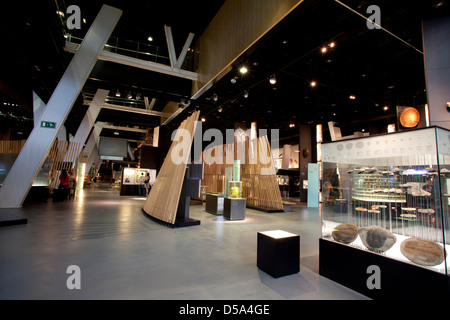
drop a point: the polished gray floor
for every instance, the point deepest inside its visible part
(124, 255)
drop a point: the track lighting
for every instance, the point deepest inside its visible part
(215, 97)
(245, 94)
(220, 109)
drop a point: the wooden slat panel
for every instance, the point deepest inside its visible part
(11, 146)
(162, 202)
(236, 27)
(259, 181)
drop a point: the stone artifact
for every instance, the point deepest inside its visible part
(345, 233)
(376, 238)
(422, 252)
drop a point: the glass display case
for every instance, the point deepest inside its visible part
(392, 196)
(235, 189)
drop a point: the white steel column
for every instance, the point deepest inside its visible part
(91, 116)
(38, 107)
(27, 165)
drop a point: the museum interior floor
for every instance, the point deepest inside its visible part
(124, 255)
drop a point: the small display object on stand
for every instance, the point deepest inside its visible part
(235, 189)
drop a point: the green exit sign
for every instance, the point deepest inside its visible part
(48, 124)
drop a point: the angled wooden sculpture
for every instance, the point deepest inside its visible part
(162, 202)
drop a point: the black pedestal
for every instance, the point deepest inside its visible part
(399, 280)
(278, 253)
(214, 203)
(234, 209)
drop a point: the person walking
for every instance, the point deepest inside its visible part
(142, 185)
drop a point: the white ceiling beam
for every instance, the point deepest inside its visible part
(112, 127)
(135, 110)
(170, 46)
(139, 63)
(185, 50)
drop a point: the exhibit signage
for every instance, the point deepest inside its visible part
(48, 124)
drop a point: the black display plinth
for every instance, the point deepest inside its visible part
(278, 253)
(399, 280)
(214, 203)
(10, 218)
(180, 223)
(234, 209)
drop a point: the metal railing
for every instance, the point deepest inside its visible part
(139, 50)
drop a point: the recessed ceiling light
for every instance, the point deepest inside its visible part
(313, 83)
(332, 45)
(273, 79)
(243, 70)
(324, 49)
(150, 38)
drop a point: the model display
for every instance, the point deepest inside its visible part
(395, 188)
(234, 189)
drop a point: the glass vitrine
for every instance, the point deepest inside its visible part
(390, 195)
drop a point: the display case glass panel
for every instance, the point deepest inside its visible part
(389, 194)
(234, 189)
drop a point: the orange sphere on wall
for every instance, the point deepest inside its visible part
(410, 117)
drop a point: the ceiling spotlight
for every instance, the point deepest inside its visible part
(332, 44)
(116, 133)
(203, 119)
(324, 49)
(215, 97)
(138, 96)
(150, 39)
(386, 108)
(352, 97)
(291, 125)
(233, 80)
(273, 79)
(118, 94)
(245, 94)
(313, 84)
(129, 96)
(243, 70)
(220, 109)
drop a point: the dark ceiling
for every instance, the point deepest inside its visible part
(380, 69)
